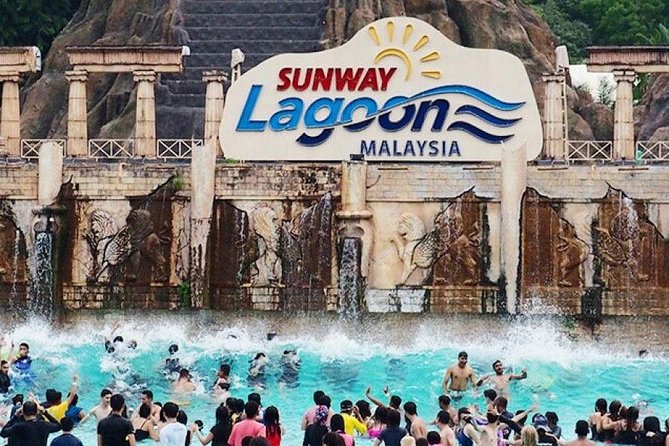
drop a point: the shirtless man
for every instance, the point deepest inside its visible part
(183, 384)
(501, 380)
(582, 431)
(103, 409)
(458, 374)
(418, 427)
(446, 433)
(146, 399)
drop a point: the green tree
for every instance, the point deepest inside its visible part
(34, 22)
(620, 22)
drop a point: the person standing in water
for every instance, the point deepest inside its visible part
(501, 380)
(457, 375)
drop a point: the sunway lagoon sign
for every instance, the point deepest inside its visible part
(398, 90)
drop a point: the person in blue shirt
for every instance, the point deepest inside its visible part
(22, 361)
(66, 439)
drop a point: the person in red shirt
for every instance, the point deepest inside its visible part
(273, 427)
(248, 427)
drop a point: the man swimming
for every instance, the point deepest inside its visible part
(172, 361)
(501, 380)
(183, 384)
(457, 375)
(103, 409)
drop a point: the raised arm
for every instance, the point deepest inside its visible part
(373, 399)
(523, 375)
(73, 389)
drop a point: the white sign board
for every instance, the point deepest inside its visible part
(399, 90)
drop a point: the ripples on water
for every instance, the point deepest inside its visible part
(343, 359)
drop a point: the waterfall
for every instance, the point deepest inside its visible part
(42, 276)
(350, 278)
(13, 297)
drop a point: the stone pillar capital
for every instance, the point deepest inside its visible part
(553, 77)
(76, 75)
(214, 76)
(144, 75)
(10, 77)
(624, 75)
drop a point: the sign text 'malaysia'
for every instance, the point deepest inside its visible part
(338, 79)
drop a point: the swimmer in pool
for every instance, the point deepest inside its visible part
(183, 384)
(290, 369)
(457, 375)
(256, 376)
(501, 380)
(22, 361)
(172, 361)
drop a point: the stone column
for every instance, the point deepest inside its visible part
(145, 114)
(10, 119)
(213, 107)
(514, 182)
(623, 119)
(203, 185)
(554, 115)
(50, 173)
(77, 122)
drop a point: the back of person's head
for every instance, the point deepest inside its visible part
(117, 402)
(144, 411)
(490, 394)
(105, 392)
(410, 408)
(254, 397)
(421, 442)
(182, 417)
(224, 369)
(443, 417)
(600, 405)
(393, 418)
(271, 416)
(444, 400)
(552, 417)
(346, 406)
(251, 409)
(433, 437)
(325, 401)
(337, 423)
(501, 402)
(184, 373)
(147, 393)
(631, 417)
(529, 436)
(222, 415)
(246, 441)
(408, 441)
(259, 441)
(67, 424)
(239, 405)
(651, 424)
(29, 408)
(51, 396)
(582, 428)
(614, 408)
(363, 409)
(380, 414)
(173, 349)
(170, 410)
(17, 399)
(333, 439)
(395, 402)
(317, 396)
(463, 411)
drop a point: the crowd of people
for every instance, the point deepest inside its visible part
(246, 422)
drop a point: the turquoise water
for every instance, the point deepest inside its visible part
(343, 359)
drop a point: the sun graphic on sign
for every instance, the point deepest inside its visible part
(394, 51)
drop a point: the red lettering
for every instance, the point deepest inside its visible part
(322, 79)
(347, 78)
(369, 81)
(284, 77)
(386, 76)
(307, 79)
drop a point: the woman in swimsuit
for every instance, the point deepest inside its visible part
(466, 435)
(377, 422)
(611, 421)
(630, 429)
(596, 418)
(143, 425)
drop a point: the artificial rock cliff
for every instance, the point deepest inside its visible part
(262, 28)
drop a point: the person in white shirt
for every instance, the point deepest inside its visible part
(172, 433)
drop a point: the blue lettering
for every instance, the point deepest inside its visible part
(408, 148)
(434, 150)
(246, 124)
(421, 147)
(368, 150)
(332, 105)
(396, 152)
(288, 118)
(441, 105)
(367, 103)
(455, 149)
(384, 148)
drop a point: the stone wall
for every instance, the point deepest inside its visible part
(275, 237)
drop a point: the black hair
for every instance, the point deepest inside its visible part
(117, 402)
(239, 405)
(337, 423)
(332, 439)
(271, 421)
(363, 408)
(173, 349)
(224, 386)
(393, 418)
(380, 414)
(105, 392)
(600, 406)
(17, 399)
(24, 344)
(222, 416)
(259, 441)
(251, 409)
(171, 410)
(552, 417)
(118, 339)
(490, 394)
(148, 394)
(521, 421)
(651, 424)
(254, 397)
(144, 411)
(410, 408)
(614, 409)
(445, 400)
(463, 354)
(433, 437)
(182, 417)
(443, 417)
(325, 401)
(631, 417)
(3, 362)
(346, 405)
(225, 368)
(29, 408)
(496, 362)
(246, 441)
(395, 402)
(184, 373)
(259, 355)
(582, 428)
(501, 401)
(66, 424)
(317, 396)
(422, 442)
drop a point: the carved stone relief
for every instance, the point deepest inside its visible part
(263, 247)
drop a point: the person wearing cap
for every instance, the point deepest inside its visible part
(540, 423)
(457, 375)
(352, 419)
